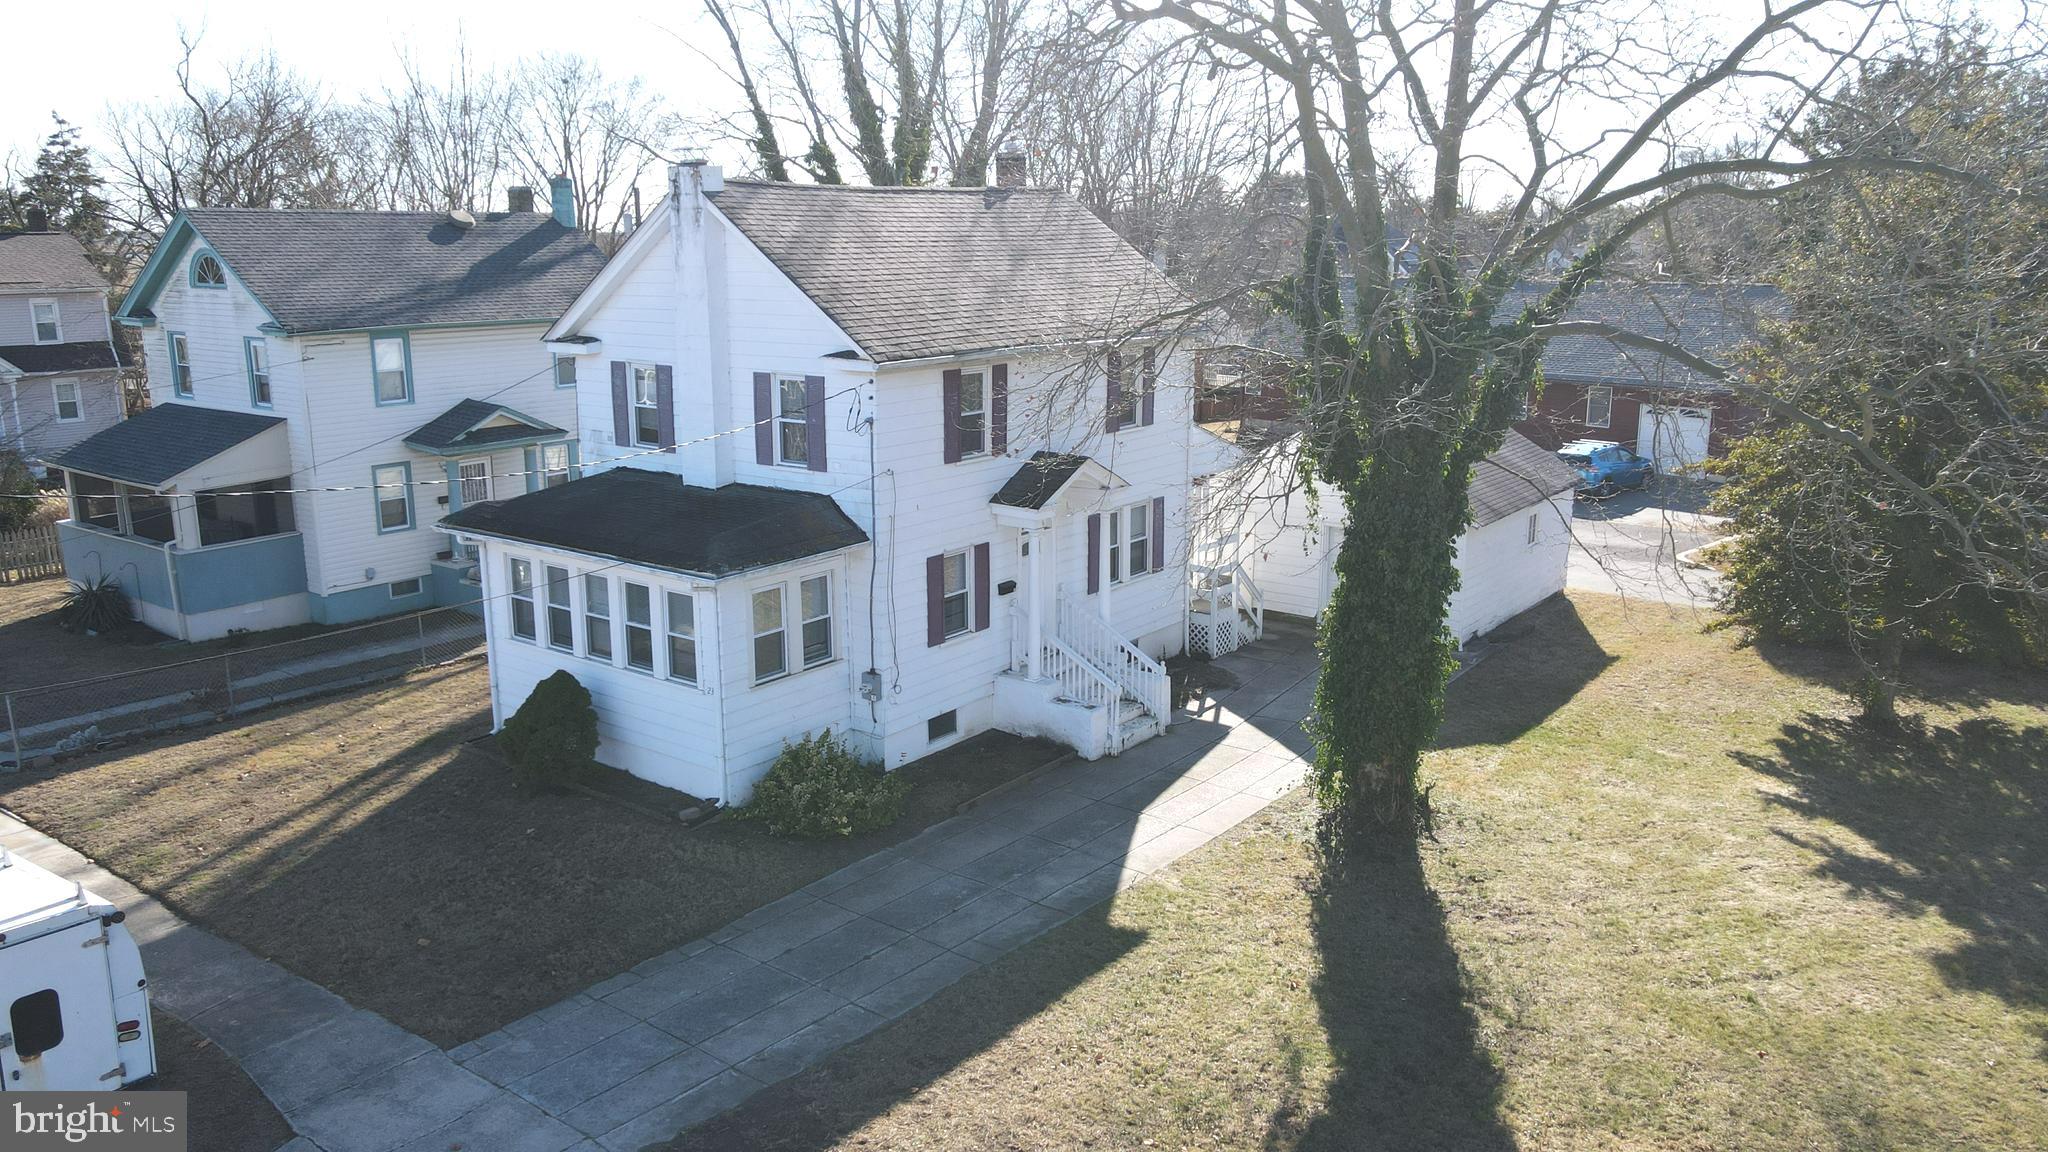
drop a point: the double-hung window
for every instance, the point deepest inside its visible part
(1599, 407)
(67, 400)
(771, 638)
(815, 598)
(181, 365)
(520, 595)
(391, 360)
(256, 350)
(597, 617)
(565, 371)
(639, 626)
(646, 407)
(1139, 518)
(560, 634)
(972, 418)
(792, 422)
(956, 596)
(49, 322)
(393, 484)
(554, 465)
(682, 637)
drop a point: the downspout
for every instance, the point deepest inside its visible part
(177, 601)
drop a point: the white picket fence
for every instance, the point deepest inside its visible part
(30, 554)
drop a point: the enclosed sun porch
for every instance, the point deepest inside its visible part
(189, 510)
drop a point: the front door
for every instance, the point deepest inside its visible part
(59, 1014)
(476, 482)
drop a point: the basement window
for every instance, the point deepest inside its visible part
(941, 726)
(400, 589)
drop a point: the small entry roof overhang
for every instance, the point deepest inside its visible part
(1032, 495)
(183, 447)
(479, 426)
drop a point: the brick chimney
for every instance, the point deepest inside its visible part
(564, 198)
(38, 220)
(1012, 168)
(519, 198)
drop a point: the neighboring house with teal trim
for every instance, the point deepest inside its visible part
(346, 379)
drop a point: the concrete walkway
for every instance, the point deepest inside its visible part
(638, 1058)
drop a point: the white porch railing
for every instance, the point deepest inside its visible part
(1229, 609)
(1084, 683)
(1138, 676)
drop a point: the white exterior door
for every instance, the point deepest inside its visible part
(1678, 437)
(476, 482)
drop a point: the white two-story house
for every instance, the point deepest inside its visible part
(907, 464)
(60, 366)
(325, 386)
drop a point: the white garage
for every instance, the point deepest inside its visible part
(1512, 557)
(1675, 439)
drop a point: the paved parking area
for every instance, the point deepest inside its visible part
(1629, 544)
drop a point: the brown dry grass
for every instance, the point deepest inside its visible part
(361, 841)
(1678, 902)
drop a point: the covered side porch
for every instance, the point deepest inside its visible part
(190, 511)
(487, 452)
(1072, 676)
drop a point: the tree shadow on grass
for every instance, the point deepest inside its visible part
(1540, 660)
(1958, 818)
(1411, 1073)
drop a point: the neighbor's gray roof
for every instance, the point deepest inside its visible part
(1709, 320)
(46, 262)
(456, 429)
(154, 445)
(701, 531)
(910, 273)
(83, 356)
(323, 271)
(1516, 475)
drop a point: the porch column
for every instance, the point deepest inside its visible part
(1035, 654)
(185, 519)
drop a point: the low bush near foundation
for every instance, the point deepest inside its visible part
(551, 740)
(819, 786)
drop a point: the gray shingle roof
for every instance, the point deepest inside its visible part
(654, 519)
(153, 446)
(1038, 479)
(1711, 321)
(1516, 475)
(44, 262)
(456, 429)
(320, 271)
(84, 356)
(917, 272)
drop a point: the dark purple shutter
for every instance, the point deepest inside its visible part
(764, 426)
(949, 413)
(999, 409)
(1115, 391)
(622, 406)
(935, 601)
(981, 587)
(1150, 385)
(1094, 553)
(665, 406)
(1158, 533)
(814, 421)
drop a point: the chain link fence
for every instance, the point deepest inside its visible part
(55, 719)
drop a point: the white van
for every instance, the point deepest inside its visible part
(75, 1000)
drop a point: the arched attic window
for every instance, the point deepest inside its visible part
(207, 271)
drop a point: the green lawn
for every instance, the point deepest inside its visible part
(1678, 901)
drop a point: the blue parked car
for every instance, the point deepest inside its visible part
(1605, 468)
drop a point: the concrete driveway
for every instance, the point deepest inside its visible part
(1629, 544)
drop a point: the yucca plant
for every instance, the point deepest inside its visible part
(92, 606)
